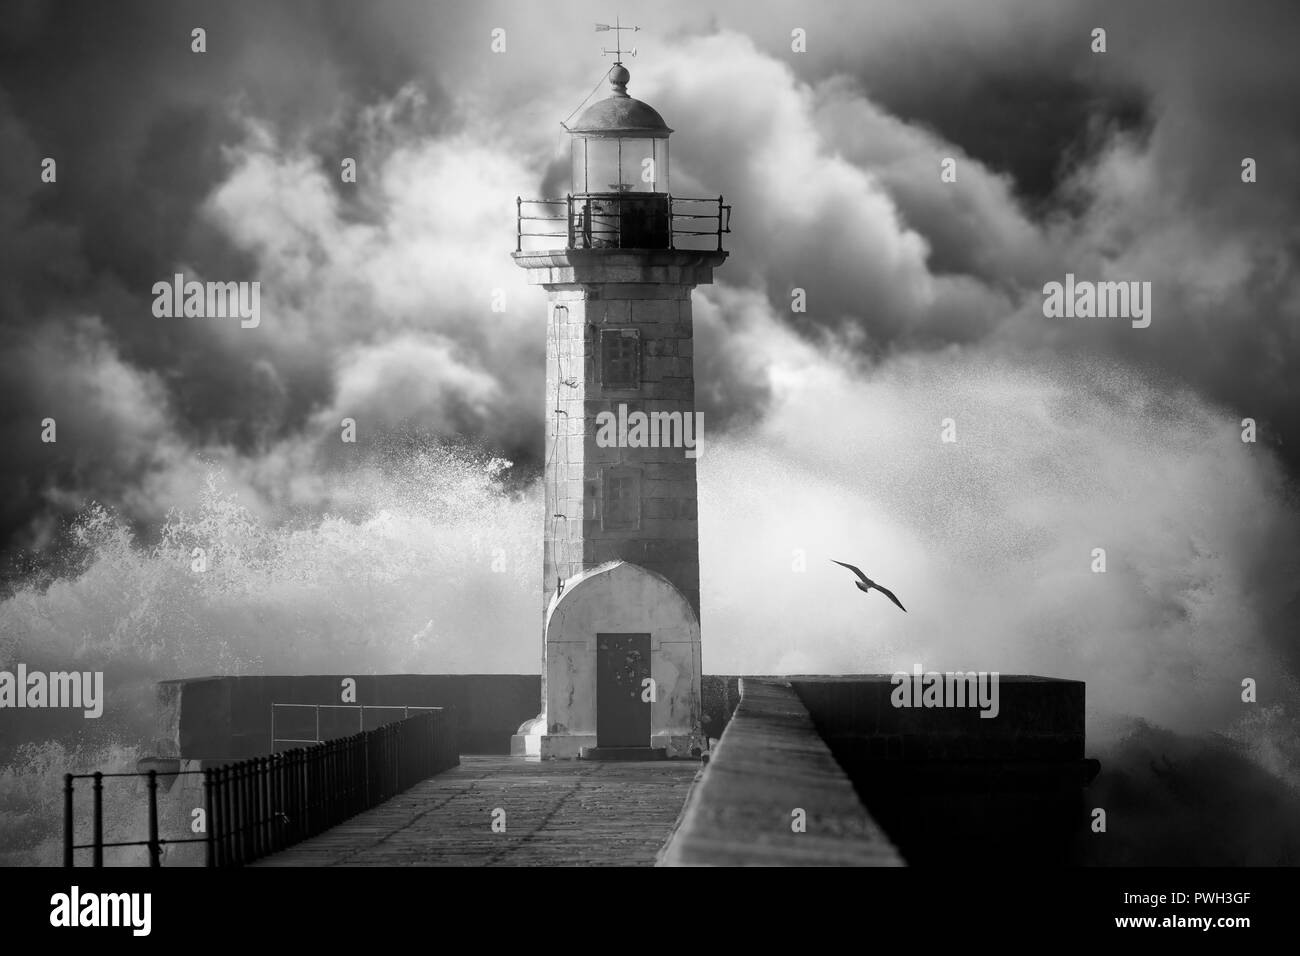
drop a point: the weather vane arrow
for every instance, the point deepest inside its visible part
(617, 29)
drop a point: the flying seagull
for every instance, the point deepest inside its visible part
(866, 584)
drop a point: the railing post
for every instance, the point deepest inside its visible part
(268, 791)
(97, 838)
(268, 805)
(349, 795)
(287, 805)
(568, 216)
(311, 759)
(519, 224)
(259, 817)
(719, 223)
(358, 772)
(397, 758)
(335, 783)
(331, 782)
(67, 820)
(671, 240)
(245, 813)
(216, 823)
(250, 810)
(254, 816)
(155, 849)
(327, 792)
(277, 802)
(311, 788)
(232, 817)
(227, 819)
(268, 819)
(209, 820)
(286, 798)
(231, 775)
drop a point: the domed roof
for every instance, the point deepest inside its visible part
(620, 113)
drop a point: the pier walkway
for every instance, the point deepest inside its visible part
(556, 813)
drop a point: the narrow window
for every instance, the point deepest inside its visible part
(620, 359)
(622, 505)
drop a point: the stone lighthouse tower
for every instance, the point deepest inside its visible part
(618, 257)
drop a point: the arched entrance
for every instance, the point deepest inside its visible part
(622, 666)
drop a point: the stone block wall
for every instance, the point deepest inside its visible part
(667, 534)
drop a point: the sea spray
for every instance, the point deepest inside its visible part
(431, 564)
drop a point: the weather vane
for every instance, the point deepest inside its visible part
(618, 50)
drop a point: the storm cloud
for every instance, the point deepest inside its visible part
(378, 296)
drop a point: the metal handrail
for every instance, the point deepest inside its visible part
(259, 806)
(580, 232)
(361, 718)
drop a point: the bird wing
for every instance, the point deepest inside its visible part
(857, 571)
(890, 594)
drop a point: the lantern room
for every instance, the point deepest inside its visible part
(620, 172)
(620, 144)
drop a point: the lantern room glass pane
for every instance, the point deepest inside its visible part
(611, 164)
(579, 150)
(602, 165)
(641, 165)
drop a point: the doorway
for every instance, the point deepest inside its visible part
(622, 700)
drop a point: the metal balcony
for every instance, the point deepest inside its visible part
(628, 221)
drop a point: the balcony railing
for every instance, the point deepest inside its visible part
(642, 221)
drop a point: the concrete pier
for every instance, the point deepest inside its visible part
(557, 813)
(808, 770)
(773, 795)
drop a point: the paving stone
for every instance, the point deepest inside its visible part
(558, 813)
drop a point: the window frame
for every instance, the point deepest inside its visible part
(633, 477)
(637, 377)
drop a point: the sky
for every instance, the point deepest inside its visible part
(923, 298)
(224, 165)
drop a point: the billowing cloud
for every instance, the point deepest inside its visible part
(1124, 166)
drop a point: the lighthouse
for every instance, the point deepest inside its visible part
(618, 257)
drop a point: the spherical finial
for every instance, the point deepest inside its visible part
(618, 77)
